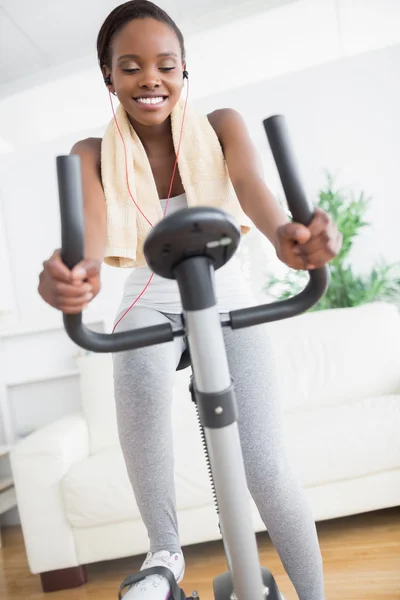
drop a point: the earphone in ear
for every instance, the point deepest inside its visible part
(185, 75)
(107, 81)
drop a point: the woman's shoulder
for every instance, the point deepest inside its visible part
(89, 151)
(88, 147)
(226, 121)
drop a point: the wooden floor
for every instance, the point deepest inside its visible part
(361, 560)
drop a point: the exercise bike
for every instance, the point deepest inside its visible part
(189, 246)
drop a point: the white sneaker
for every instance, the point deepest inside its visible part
(156, 587)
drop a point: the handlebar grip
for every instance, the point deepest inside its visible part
(281, 147)
(71, 207)
(302, 212)
(116, 342)
(72, 252)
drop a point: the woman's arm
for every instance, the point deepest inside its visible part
(246, 174)
(297, 246)
(71, 290)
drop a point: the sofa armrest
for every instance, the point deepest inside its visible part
(39, 463)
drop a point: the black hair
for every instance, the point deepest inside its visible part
(121, 15)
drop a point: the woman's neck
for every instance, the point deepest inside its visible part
(156, 140)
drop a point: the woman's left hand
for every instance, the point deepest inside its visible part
(307, 248)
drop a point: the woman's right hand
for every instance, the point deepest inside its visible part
(69, 290)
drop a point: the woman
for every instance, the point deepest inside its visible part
(142, 57)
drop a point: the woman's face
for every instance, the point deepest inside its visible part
(147, 70)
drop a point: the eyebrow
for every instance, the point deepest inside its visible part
(136, 56)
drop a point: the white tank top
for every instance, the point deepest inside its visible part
(232, 289)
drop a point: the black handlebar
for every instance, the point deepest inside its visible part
(72, 233)
(278, 137)
(71, 209)
(302, 212)
(72, 249)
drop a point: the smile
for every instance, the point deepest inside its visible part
(151, 101)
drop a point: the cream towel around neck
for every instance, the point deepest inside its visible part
(202, 168)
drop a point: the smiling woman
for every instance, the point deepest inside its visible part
(137, 173)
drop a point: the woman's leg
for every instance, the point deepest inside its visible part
(273, 485)
(143, 383)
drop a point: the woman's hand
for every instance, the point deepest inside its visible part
(69, 290)
(298, 246)
(307, 248)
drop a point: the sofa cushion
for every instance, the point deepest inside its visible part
(97, 397)
(337, 356)
(325, 445)
(345, 442)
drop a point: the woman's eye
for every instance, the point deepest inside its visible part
(136, 69)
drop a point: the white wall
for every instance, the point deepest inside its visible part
(305, 60)
(342, 116)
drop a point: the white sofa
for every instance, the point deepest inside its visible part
(340, 378)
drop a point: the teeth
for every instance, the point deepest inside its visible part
(150, 100)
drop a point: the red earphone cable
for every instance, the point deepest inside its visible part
(133, 200)
(178, 151)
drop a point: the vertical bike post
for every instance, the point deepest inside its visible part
(216, 402)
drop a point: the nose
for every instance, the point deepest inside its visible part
(150, 79)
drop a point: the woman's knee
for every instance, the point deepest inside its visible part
(267, 475)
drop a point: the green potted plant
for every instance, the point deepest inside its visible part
(347, 288)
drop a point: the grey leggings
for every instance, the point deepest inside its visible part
(143, 390)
